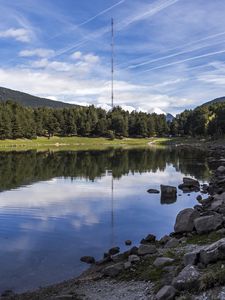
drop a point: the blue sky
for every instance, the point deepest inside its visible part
(169, 54)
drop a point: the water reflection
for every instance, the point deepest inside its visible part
(56, 207)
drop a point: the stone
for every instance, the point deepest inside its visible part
(168, 194)
(199, 198)
(133, 250)
(164, 239)
(88, 259)
(172, 243)
(127, 265)
(128, 242)
(148, 239)
(167, 292)
(213, 252)
(162, 261)
(189, 185)
(147, 249)
(113, 270)
(114, 250)
(153, 191)
(216, 204)
(208, 223)
(133, 258)
(187, 279)
(185, 220)
(191, 258)
(220, 169)
(219, 197)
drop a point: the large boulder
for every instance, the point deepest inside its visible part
(191, 258)
(162, 261)
(172, 243)
(146, 249)
(208, 223)
(213, 252)
(189, 185)
(168, 194)
(167, 292)
(187, 279)
(185, 220)
(113, 270)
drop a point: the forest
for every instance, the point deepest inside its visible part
(18, 121)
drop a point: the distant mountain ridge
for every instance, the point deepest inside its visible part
(217, 100)
(29, 100)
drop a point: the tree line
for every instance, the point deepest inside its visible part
(17, 121)
(205, 120)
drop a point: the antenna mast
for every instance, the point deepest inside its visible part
(112, 64)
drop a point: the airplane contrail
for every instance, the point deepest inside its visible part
(157, 7)
(101, 13)
(147, 62)
(179, 47)
(148, 12)
(184, 60)
(93, 18)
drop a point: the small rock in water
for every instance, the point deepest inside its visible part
(128, 242)
(88, 259)
(114, 250)
(148, 239)
(199, 198)
(153, 191)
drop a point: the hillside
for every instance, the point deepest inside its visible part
(217, 100)
(29, 100)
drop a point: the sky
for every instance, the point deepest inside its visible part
(169, 54)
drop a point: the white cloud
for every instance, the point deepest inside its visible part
(76, 55)
(40, 52)
(19, 34)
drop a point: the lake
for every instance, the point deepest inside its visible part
(58, 206)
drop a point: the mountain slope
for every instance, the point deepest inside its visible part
(217, 100)
(29, 100)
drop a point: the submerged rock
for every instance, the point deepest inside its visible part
(114, 250)
(168, 194)
(148, 239)
(128, 242)
(88, 259)
(185, 220)
(153, 191)
(189, 185)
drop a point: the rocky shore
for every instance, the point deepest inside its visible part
(188, 263)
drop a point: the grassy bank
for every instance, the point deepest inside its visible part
(73, 143)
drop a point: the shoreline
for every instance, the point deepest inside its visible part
(181, 243)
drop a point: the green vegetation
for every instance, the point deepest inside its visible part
(70, 143)
(206, 120)
(17, 121)
(213, 276)
(205, 238)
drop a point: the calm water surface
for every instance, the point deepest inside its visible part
(57, 207)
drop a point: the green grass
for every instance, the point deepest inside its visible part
(73, 143)
(205, 238)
